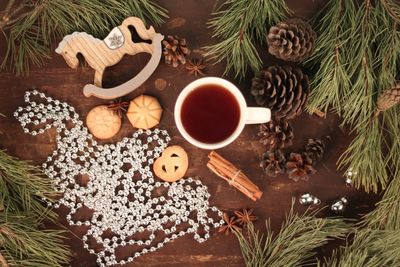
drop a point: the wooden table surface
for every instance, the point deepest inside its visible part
(187, 19)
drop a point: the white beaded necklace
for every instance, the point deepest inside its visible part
(121, 192)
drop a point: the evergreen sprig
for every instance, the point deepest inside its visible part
(22, 186)
(32, 27)
(23, 243)
(386, 215)
(371, 247)
(240, 25)
(295, 243)
(356, 57)
(375, 240)
(393, 9)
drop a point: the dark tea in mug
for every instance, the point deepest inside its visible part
(210, 113)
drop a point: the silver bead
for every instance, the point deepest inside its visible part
(339, 205)
(308, 199)
(349, 175)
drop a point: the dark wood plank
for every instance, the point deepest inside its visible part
(187, 19)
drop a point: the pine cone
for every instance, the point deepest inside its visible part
(315, 149)
(175, 50)
(276, 134)
(388, 98)
(292, 40)
(273, 162)
(299, 167)
(282, 89)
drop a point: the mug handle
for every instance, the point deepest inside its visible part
(258, 115)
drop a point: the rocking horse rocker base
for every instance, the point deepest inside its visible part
(100, 54)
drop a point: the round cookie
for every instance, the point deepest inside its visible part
(172, 165)
(144, 112)
(102, 122)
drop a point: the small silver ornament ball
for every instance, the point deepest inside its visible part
(339, 206)
(349, 175)
(308, 199)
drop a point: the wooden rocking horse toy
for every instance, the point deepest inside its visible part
(100, 54)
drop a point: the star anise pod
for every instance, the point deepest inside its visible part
(230, 225)
(245, 216)
(118, 106)
(195, 66)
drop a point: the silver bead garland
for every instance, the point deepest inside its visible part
(121, 192)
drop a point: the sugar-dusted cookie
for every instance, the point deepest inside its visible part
(144, 112)
(102, 122)
(172, 165)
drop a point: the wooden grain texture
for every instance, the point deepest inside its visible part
(99, 55)
(187, 19)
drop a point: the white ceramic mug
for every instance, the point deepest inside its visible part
(248, 115)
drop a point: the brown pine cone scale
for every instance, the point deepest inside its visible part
(276, 134)
(273, 162)
(292, 40)
(284, 90)
(315, 149)
(175, 50)
(299, 167)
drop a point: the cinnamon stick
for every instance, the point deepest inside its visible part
(237, 185)
(235, 177)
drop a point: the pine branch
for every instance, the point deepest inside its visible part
(147, 11)
(31, 34)
(361, 69)
(364, 156)
(387, 213)
(6, 14)
(376, 240)
(22, 243)
(295, 243)
(329, 59)
(393, 9)
(22, 186)
(344, 60)
(372, 248)
(242, 54)
(240, 24)
(356, 57)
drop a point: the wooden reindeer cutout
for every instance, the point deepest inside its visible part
(100, 54)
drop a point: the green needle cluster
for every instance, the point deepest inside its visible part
(294, 244)
(32, 27)
(240, 25)
(355, 59)
(23, 241)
